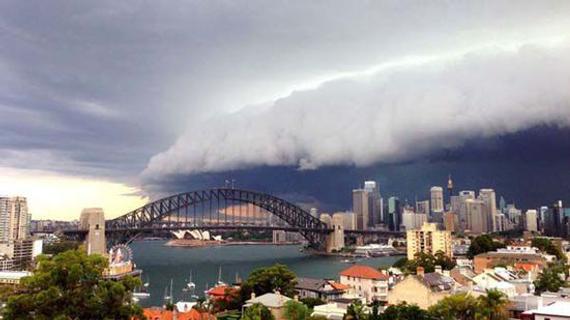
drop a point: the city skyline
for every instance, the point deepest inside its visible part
(109, 105)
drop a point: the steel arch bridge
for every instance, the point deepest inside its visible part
(222, 208)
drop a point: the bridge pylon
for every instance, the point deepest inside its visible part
(335, 239)
(93, 220)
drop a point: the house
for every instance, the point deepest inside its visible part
(222, 292)
(163, 314)
(365, 282)
(492, 259)
(559, 310)
(496, 279)
(335, 309)
(422, 289)
(273, 301)
(319, 288)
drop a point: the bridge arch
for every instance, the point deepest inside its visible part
(153, 214)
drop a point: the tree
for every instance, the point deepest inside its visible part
(493, 305)
(312, 302)
(70, 286)
(427, 261)
(269, 279)
(483, 243)
(550, 279)
(60, 246)
(295, 310)
(459, 306)
(545, 245)
(404, 311)
(355, 311)
(257, 312)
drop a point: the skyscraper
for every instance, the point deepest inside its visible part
(374, 203)
(462, 207)
(14, 219)
(531, 220)
(422, 207)
(475, 214)
(436, 199)
(394, 213)
(490, 206)
(360, 207)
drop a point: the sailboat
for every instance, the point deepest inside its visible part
(141, 292)
(191, 285)
(220, 282)
(167, 295)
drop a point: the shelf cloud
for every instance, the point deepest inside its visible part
(399, 112)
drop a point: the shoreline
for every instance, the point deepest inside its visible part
(186, 243)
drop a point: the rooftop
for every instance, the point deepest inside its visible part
(364, 272)
(270, 300)
(558, 308)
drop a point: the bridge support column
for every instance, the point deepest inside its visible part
(93, 220)
(335, 239)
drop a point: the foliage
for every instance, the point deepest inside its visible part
(295, 310)
(231, 301)
(459, 306)
(427, 261)
(545, 245)
(312, 302)
(355, 311)
(269, 279)
(60, 246)
(404, 311)
(257, 312)
(492, 306)
(549, 279)
(483, 243)
(70, 286)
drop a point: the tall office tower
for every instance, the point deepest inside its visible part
(475, 214)
(451, 221)
(490, 206)
(462, 208)
(530, 218)
(428, 240)
(14, 219)
(555, 223)
(422, 207)
(374, 203)
(542, 217)
(502, 204)
(412, 220)
(436, 199)
(394, 213)
(360, 205)
(514, 216)
(349, 220)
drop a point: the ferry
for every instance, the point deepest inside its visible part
(375, 250)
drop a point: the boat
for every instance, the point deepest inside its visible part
(191, 285)
(167, 295)
(220, 282)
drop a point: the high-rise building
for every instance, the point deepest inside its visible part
(14, 219)
(490, 207)
(422, 207)
(449, 186)
(530, 218)
(436, 199)
(412, 220)
(360, 207)
(394, 213)
(555, 222)
(450, 221)
(475, 216)
(428, 239)
(374, 203)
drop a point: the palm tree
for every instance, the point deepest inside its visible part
(493, 306)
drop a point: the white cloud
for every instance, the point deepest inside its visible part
(386, 114)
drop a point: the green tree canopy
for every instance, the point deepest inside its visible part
(356, 311)
(295, 310)
(483, 243)
(312, 302)
(427, 261)
(269, 279)
(545, 245)
(458, 306)
(404, 311)
(257, 312)
(70, 286)
(550, 279)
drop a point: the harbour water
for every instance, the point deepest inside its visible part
(161, 263)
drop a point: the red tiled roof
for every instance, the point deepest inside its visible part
(161, 314)
(218, 291)
(365, 272)
(157, 314)
(338, 286)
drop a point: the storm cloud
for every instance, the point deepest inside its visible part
(401, 112)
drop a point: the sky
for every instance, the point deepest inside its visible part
(113, 103)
